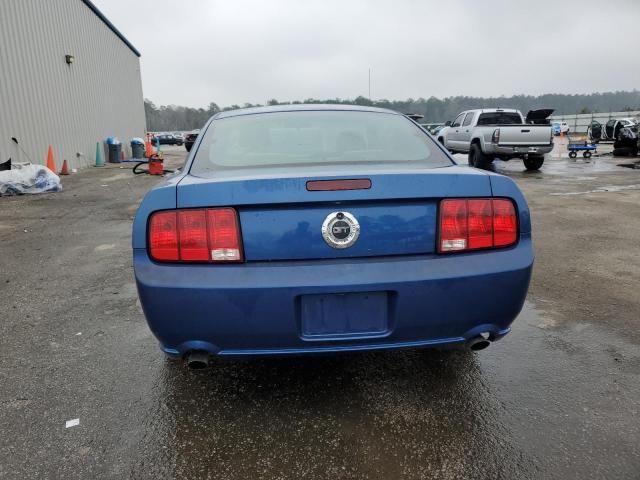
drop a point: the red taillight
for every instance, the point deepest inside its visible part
(505, 223)
(192, 233)
(453, 225)
(163, 236)
(476, 223)
(495, 138)
(480, 223)
(224, 235)
(199, 235)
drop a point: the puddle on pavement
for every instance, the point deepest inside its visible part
(560, 166)
(555, 166)
(605, 189)
(519, 409)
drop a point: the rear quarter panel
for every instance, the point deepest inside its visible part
(161, 197)
(502, 186)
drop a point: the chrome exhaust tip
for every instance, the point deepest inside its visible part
(198, 360)
(478, 343)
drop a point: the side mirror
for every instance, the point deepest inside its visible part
(447, 123)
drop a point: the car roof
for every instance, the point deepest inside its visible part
(302, 107)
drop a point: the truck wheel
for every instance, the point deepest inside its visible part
(188, 146)
(533, 162)
(477, 158)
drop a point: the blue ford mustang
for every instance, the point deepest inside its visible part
(324, 228)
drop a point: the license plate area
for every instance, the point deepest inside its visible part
(344, 315)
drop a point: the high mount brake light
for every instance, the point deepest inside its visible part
(210, 235)
(342, 184)
(476, 223)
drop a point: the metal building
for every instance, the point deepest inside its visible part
(68, 78)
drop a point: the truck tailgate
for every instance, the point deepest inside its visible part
(515, 135)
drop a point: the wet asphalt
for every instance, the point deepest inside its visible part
(557, 398)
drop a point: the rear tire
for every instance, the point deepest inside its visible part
(533, 162)
(477, 158)
(188, 146)
(621, 152)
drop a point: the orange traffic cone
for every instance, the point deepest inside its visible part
(148, 151)
(65, 168)
(51, 164)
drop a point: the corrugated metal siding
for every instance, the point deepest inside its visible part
(45, 101)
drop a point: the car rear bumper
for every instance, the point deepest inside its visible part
(254, 308)
(519, 150)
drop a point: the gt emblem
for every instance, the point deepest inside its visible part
(340, 230)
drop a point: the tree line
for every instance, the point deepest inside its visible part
(175, 117)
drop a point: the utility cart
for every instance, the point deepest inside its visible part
(580, 144)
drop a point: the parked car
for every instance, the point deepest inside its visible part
(627, 143)
(167, 139)
(436, 129)
(611, 130)
(558, 127)
(501, 133)
(178, 136)
(300, 229)
(416, 117)
(432, 128)
(190, 138)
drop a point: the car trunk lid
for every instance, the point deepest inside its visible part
(539, 117)
(281, 219)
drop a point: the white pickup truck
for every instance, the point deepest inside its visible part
(502, 133)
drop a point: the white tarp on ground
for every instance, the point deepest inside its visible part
(28, 178)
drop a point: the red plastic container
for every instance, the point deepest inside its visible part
(156, 166)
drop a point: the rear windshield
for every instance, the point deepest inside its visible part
(314, 138)
(499, 118)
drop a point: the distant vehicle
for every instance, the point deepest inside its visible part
(432, 128)
(627, 143)
(414, 116)
(190, 138)
(501, 133)
(302, 229)
(558, 127)
(437, 129)
(166, 139)
(178, 136)
(611, 130)
(442, 133)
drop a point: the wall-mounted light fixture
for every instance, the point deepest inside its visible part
(69, 59)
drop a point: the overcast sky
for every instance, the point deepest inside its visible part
(236, 51)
